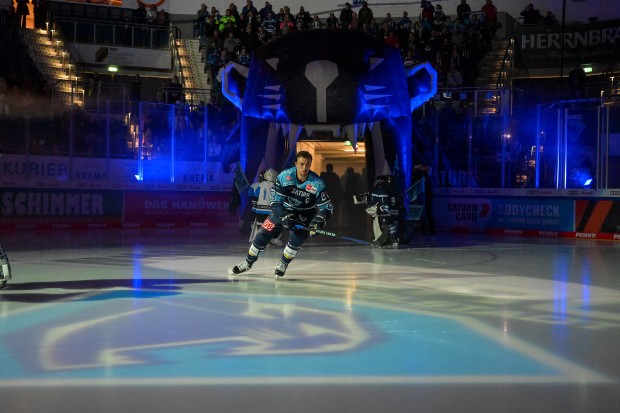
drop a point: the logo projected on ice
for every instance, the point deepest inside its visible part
(145, 335)
(224, 329)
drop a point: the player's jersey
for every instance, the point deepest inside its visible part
(301, 197)
(386, 200)
(261, 193)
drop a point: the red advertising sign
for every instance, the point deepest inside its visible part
(157, 209)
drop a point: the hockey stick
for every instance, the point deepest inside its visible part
(331, 234)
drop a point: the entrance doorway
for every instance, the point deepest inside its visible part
(350, 167)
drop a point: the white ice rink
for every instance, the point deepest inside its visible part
(148, 321)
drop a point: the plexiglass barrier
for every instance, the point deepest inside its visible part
(570, 144)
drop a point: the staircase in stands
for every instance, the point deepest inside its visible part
(54, 62)
(197, 83)
(494, 71)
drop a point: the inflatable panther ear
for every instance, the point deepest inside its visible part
(422, 84)
(234, 77)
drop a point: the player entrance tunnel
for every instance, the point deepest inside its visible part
(345, 176)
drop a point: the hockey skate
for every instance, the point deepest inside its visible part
(5, 268)
(280, 269)
(239, 268)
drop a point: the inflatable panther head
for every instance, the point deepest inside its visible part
(341, 81)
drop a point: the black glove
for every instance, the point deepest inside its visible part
(317, 223)
(285, 219)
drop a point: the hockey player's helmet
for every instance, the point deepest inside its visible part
(261, 176)
(270, 175)
(383, 180)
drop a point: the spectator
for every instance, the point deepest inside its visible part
(454, 78)
(162, 34)
(334, 187)
(40, 13)
(346, 15)
(364, 15)
(22, 11)
(136, 89)
(354, 22)
(218, 38)
(490, 17)
(373, 28)
(304, 17)
(427, 11)
(286, 24)
(238, 46)
(391, 25)
(265, 10)
(426, 24)
(316, 22)
(243, 58)
(201, 17)
(402, 31)
(391, 39)
(215, 13)
(270, 25)
(175, 90)
(223, 60)
(332, 22)
(409, 60)
(226, 19)
(463, 10)
(439, 16)
(439, 66)
(412, 45)
(139, 15)
(405, 23)
(250, 39)
(455, 57)
(531, 16)
(550, 19)
(383, 32)
(151, 15)
(230, 43)
(249, 7)
(213, 56)
(287, 10)
(243, 22)
(458, 36)
(577, 79)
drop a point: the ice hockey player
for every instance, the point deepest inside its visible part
(299, 203)
(260, 194)
(384, 203)
(5, 268)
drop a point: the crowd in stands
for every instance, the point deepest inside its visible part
(453, 45)
(531, 16)
(452, 41)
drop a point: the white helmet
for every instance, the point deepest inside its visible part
(270, 175)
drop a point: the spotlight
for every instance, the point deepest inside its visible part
(580, 178)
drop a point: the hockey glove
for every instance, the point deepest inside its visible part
(285, 218)
(317, 223)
